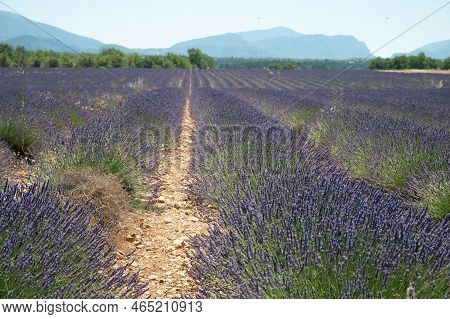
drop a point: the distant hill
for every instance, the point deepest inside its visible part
(34, 43)
(258, 35)
(436, 50)
(16, 30)
(278, 42)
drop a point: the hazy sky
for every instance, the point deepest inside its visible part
(155, 24)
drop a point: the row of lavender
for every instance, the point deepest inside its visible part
(292, 225)
(397, 138)
(51, 246)
(308, 79)
(89, 79)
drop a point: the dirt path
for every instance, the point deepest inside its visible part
(161, 239)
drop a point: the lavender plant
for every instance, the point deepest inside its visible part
(49, 250)
(297, 227)
(394, 138)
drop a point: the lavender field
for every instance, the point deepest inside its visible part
(169, 183)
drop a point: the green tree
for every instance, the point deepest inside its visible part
(102, 61)
(133, 60)
(178, 61)
(4, 60)
(446, 64)
(6, 49)
(400, 62)
(421, 61)
(111, 51)
(53, 62)
(116, 61)
(67, 60)
(110, 57)
(200, 60)
(377, 64)
(20, 56)
(86, 60)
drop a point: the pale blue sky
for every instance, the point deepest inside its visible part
(155, 24)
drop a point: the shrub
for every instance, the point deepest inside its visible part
(300, 118)
(5, 61)
(82, 158)
(53, 62)
(20, 135)
(76, 119)
(103, 192)
(50, 251)
(297, 227)
(433, 191)
(293, 232)
(437, 199)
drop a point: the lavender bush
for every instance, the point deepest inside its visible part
(394, 138)
(49, 250)
(297, 227)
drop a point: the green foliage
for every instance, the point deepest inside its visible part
(77, 119)
(86, 61)
(6, 53)
(106, 162)
(402, 62)
(300, 118)
(6, 49)
(107, 58)
(395, 172)
(67, 60)
(20, 135)
(5, 61)
(61, 121)
(436, 196)
(53, 62)
(160, 126)
(377, 64)
(358, 166)
(307, 64)
(20, 57)
(179, 61)
(446, 64)
(111, 52)
(415, 171)
(200, 60)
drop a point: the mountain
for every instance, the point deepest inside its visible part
(436, 50)
(13, 27)
(34, 43)
(315, 47)
(225, 45)
(278, 42)
(257, 35)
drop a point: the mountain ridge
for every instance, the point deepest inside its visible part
(277, 42)
(436, 50)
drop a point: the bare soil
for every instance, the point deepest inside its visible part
(160, 239)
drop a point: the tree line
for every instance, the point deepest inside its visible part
(107, 58)
(402, 62)
(195, 58)
(308, 64)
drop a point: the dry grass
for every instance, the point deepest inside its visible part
(138, 85)
(106, 102)
(102, 191)
(6, 159)
(430, 71)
